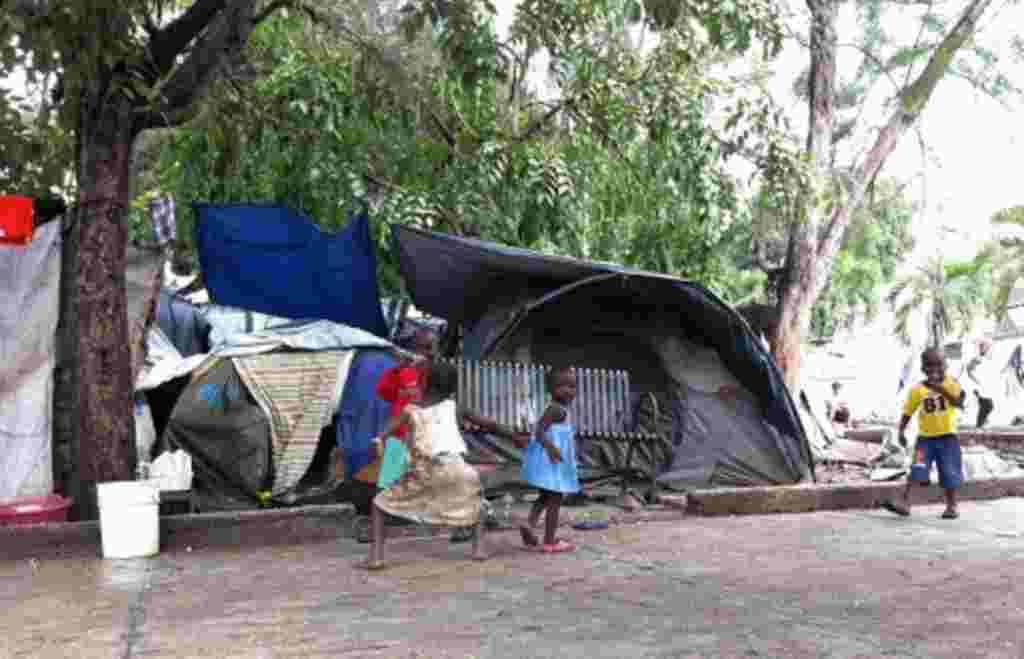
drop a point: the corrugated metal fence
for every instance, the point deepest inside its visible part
(515, 394)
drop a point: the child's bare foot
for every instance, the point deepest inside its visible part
(528, 536)
(373, 564)
(479, 556)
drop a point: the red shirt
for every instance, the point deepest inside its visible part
(391, 388)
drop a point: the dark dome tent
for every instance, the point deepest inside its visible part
(726, 413)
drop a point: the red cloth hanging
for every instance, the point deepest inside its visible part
(16, 220)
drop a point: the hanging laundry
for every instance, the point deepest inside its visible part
(1016, 365)
(161, 211)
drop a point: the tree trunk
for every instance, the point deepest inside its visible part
(96, 377)
(806, 271)
(813, 247)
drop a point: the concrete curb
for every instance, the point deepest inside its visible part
(994, 439)
(810, 498)
(179, 532)
(332, 522)
(250, 528)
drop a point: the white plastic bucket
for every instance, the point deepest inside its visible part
(129, 519)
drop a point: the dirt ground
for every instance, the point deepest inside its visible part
(851, 584)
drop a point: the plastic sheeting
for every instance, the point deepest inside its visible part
(316, 335)
(299, 393)
(224, 323)
(727, 442)
(29, 302)
(362, 414)
(514, 300)
(227, 435)
(270, 259)
(183, 324)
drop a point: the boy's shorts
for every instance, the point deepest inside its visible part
(944, 451)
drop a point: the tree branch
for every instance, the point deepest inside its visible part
(607, 139)
(912, 101)
(920, 35)
(446, 132)
(29, 8)
(731, 149)
(167, 44)
(537, 125)
(762, 261)
(277, 5)
(885, 70)
(225, 35)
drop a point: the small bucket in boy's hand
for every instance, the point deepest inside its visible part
(919, 470)
(393, 463)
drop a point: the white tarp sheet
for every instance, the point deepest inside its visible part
(166, 364)
(29, 301)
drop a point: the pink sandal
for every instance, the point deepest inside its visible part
(559, 547)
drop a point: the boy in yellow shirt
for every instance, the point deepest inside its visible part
(938, 402)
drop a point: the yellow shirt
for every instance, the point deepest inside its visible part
(938, 416)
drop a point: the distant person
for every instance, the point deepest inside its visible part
(438, 488)
(938, 402)
(549, 462)
(980, 373)
(837, 410)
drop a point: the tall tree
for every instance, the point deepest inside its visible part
(122, 67)
(834, 191)
(877, 241)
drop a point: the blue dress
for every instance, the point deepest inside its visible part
(539, 471)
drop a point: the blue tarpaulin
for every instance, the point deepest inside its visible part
(362, 415)
(273, 260)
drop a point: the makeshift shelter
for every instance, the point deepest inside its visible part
(725, 411)
(258, 409)
(30, 267)
(29, 301)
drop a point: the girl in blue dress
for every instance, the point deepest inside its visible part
(550, 461)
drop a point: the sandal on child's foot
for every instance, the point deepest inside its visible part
(559, 547)
(950, 514)
(462, 535)
(894, 507)
(529, 539)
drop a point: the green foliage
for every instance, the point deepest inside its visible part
(877, 241)
(72, 40)
(35, 153)
(1006, 253)
(621, 168)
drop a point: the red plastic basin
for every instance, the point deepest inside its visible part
(34, 510)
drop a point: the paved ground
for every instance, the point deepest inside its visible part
(851, 584)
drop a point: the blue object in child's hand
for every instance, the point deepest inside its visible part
(393, 463)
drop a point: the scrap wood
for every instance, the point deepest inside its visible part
(841, 460)
(141, 327)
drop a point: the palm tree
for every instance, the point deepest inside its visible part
(1007, 256)
(950, 294)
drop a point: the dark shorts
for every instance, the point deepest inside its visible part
(944, 452)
